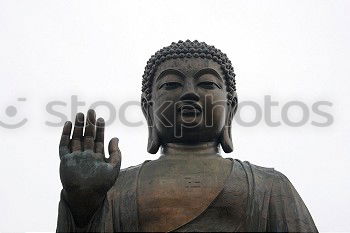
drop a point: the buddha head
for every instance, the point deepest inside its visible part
(189, 96)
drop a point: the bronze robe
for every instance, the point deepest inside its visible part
(253, 199)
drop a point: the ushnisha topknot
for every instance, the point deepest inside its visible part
(189, 49)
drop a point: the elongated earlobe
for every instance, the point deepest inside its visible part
(226, 137)
(153, 139)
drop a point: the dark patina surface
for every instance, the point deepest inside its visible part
(189, 100)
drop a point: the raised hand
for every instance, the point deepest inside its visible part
(86, 174)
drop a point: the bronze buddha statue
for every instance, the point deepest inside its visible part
(189, 99)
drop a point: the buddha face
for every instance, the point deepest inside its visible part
(189, 101)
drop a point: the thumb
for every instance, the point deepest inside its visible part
(114, 153)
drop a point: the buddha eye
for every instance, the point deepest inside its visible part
(170, 85)
(208, 85)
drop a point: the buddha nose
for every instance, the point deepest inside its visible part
(189, 94)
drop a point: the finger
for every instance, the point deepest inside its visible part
(78, 132)
(114, 153)
(89, 136)
(100, 135)
(65, 138)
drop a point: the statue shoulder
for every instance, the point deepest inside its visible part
(135, 168)
(262, 174)
(272, 190)
(252, 168)
(127, 176)
(128, 169)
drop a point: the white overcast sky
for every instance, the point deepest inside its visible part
(96, 50)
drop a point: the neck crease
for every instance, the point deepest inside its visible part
(206, 148)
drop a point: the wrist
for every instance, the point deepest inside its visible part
(82, 205)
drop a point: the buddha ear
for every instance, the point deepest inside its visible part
(153, 139)
(226, 137)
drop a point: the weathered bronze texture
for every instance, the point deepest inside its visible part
(189, 99)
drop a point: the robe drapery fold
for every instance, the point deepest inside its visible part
(253, 199)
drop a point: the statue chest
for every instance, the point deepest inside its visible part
(173, 192)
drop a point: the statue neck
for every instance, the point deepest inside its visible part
(181, 149)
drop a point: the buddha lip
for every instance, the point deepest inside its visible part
(189, 107)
